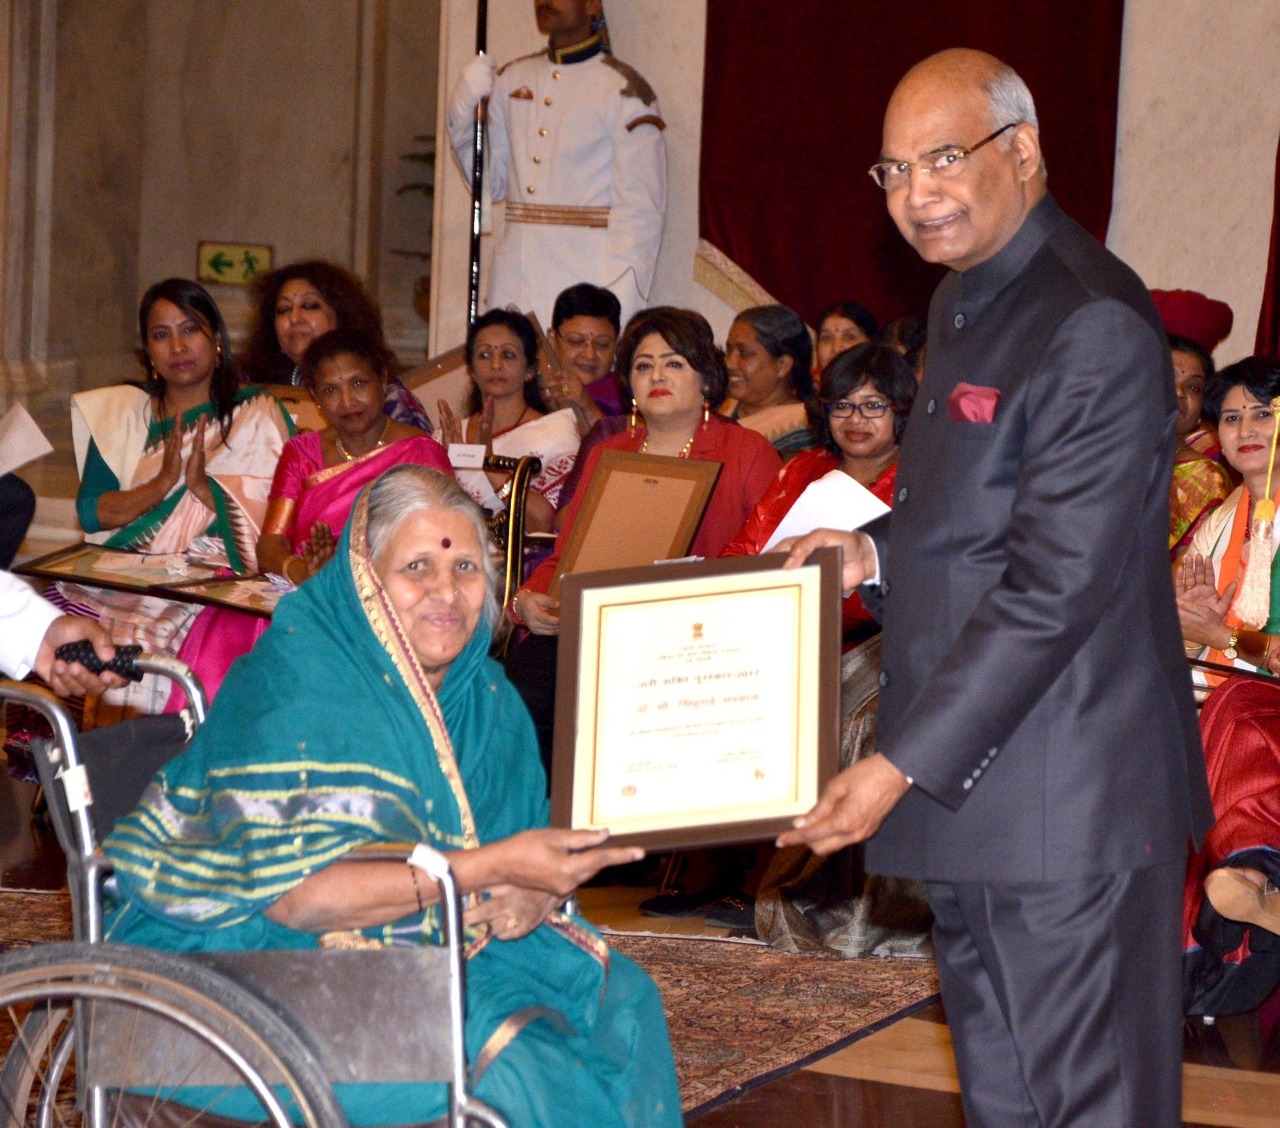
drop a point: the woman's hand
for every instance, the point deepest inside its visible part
(171, 462)
(196, 478)
(318, 549)
(450, 428)
(538, 611)
(1201, 610)
(556, 861)
(511, 911)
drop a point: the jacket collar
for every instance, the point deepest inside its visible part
(578, 52)
(987, 279)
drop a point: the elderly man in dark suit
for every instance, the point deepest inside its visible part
(1039, 763)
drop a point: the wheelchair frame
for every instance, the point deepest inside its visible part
(239, 1004)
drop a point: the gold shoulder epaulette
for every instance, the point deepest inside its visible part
(521, 59)
(636, 86)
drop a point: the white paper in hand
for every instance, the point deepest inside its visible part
(21, 440)
(834, 501)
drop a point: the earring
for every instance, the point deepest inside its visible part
(631, 423)
(706, 412)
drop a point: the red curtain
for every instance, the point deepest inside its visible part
(1268, 339)
(793, 101)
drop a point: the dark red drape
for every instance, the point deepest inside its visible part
(794, 96)
(1268, 339)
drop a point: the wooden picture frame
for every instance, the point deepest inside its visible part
(697, 704)
(638, 508)
(88, 564)
(253, 594)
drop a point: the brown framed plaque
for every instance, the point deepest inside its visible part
(697, 703)
(638, 508)
(256, 594)
(95, 565)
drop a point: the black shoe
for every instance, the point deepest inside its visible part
(675, 903)
(738, 913)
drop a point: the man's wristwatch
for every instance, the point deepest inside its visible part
(1229, 651)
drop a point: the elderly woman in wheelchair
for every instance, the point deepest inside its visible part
(370, 713)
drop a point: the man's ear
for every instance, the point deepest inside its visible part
(1026, 144)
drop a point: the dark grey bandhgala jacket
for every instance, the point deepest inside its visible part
(1034, 681)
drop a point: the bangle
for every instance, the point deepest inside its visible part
(417, 889)
(505, 492)
(284, 569)
(1266, 651)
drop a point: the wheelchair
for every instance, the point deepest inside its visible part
(96, 1034)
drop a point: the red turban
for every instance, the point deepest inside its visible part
(1186, 313)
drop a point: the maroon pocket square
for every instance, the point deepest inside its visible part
(972, 403)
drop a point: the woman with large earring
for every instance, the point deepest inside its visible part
(677, 379)
(190, 456)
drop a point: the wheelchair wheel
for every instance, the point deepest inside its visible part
(106, 1034)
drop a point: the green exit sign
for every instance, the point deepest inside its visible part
(231, 264)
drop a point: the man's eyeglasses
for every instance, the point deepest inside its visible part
(891, 175)
(872, 409)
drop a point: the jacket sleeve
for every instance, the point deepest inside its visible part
(639, 198)
(24, 618)
(1098, 429)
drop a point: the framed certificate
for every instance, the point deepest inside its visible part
(98, 566)
(254, 594)
(638, 508)
(697, 703)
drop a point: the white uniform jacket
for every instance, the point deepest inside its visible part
(576, 150)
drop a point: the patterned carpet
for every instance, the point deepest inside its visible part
(33, 917)
(741, 1015)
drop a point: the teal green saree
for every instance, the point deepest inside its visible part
(325, 737)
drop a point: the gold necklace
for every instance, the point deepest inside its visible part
(351, 457)
(684, 451)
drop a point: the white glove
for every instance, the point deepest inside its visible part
(474, 84)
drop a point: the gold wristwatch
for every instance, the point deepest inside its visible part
(1230, 651)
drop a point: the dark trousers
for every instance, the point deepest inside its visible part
(1064, 999)
(17, 507)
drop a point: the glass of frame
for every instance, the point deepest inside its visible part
(638, 508)
(96, 565)
(697, 703)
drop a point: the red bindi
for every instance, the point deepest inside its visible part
(445, 543)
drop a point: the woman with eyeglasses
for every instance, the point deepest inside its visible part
(856, 421)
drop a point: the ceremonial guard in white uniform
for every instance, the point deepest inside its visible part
(576, 150)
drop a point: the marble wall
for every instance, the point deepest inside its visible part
(136, 128)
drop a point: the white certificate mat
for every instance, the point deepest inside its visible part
(706, 701)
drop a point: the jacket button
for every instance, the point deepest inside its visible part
(884, 587)
(542, 132)
(984, 762)
(884, 678)
(932, 406)
(531, 189)
(959, 321)
(537, 160)
(967, 785)
(547, 100)
(903, 493)
(992, 752)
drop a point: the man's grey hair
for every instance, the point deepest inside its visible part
(404, 490)
(1010, 101)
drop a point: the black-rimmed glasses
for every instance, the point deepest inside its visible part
(945, 163)
(871, 409)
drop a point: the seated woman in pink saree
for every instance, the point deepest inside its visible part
(316, 483)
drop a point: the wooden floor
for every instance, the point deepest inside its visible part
(900, 1077)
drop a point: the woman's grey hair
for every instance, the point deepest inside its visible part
(1010, 100)
(404, 490)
